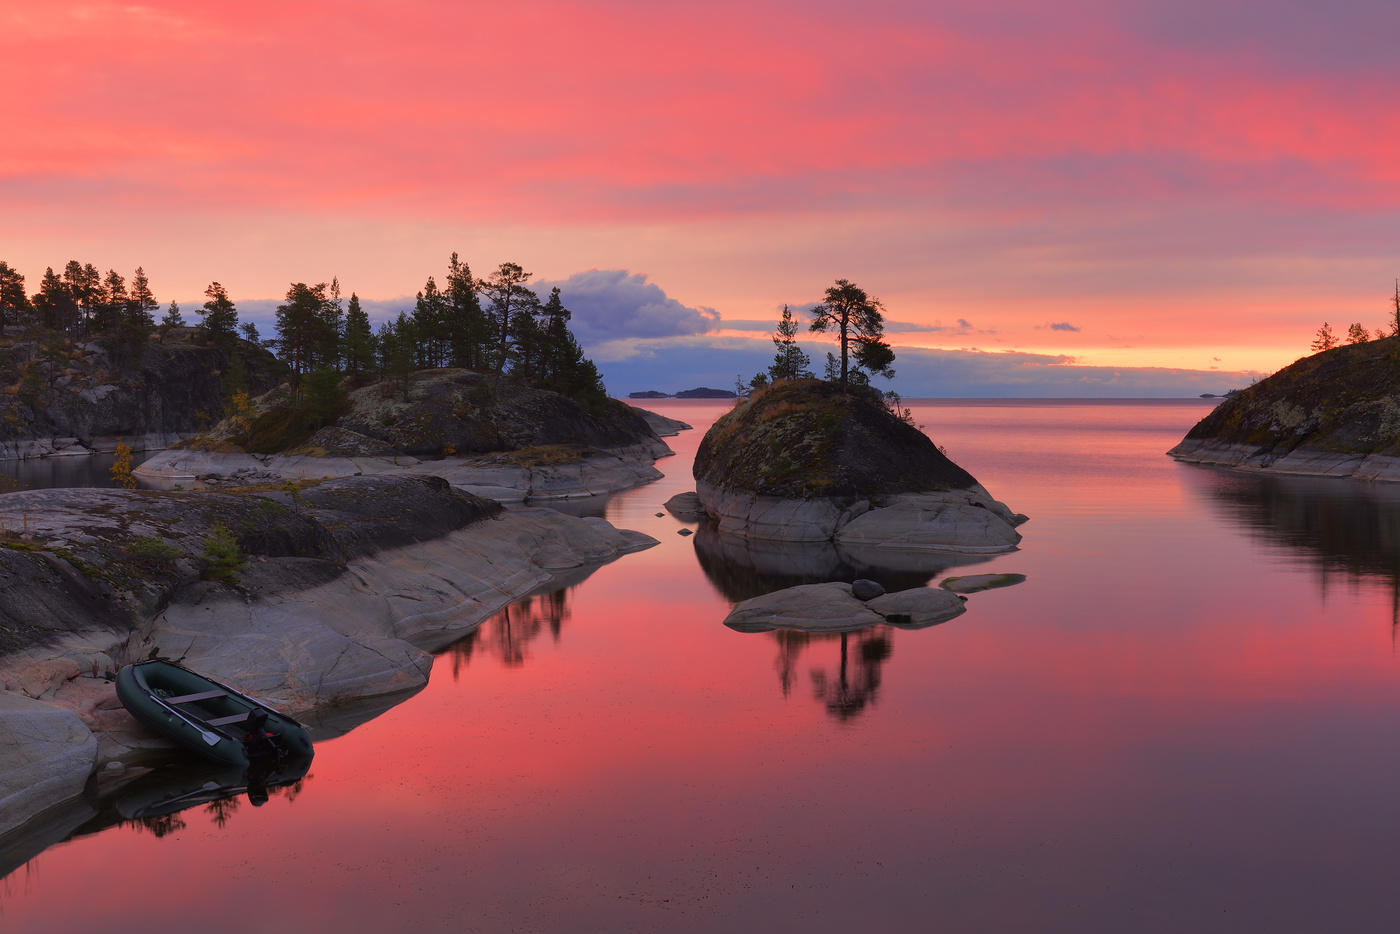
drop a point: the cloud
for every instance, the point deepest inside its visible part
(1058, 326)
(684, 363)
(263, 311)
(613, 304)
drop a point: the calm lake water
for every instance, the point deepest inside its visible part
(1184, 720)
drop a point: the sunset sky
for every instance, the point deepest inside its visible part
(1075, 191)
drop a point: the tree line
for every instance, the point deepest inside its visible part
(1326, 339)
(496, 324)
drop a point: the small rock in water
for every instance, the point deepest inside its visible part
(115, 766)
(685, 532)
(660, 515)
(866, 590)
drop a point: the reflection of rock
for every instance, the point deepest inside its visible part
(832, 608)
(974, 583)
(742, 568)
(803, 461)
(1352, 528)
(150, 798)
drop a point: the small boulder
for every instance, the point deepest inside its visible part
(866, 590)
(686, 507)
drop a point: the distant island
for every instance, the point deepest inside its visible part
(703, 392)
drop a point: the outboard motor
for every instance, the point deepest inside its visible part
(258, 742)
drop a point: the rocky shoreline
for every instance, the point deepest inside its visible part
(509, 477)
(348, 586)
(1303, 461)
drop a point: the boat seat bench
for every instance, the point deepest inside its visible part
(191, 698)
(220, 721)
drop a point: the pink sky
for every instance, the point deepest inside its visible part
(1187, 184)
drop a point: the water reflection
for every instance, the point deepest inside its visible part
(507, 635)
(156, 800)
(1337, 526)
(852, 685)
(741, 568)
(62, 472)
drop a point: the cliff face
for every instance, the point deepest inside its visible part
(98, 390)
(1332, 414)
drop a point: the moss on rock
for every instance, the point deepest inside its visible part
(805, 439)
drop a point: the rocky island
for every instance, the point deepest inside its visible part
(1333, 414)
(494, 437)
(803, 461)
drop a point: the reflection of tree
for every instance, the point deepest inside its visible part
(1337, 526)
(221, 810)
(857, 678)
(508, 634)
(158, 826)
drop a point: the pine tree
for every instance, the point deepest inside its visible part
(173, 318)
(791, 361)
(430, 326)
(396, 353)
(359, 340)
(84, 285)
(54, 302)
(503, 288)
(141, 309)
(858, 320)
(1325, 339)
(308, 329)
(113, 306)
(466, 325)
(1357, 334)
(14, 304)
(219, 317)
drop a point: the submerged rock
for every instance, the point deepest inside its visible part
(802, 461)
(975, 583)
(833, 608)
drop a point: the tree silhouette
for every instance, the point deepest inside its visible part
(857, 319)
